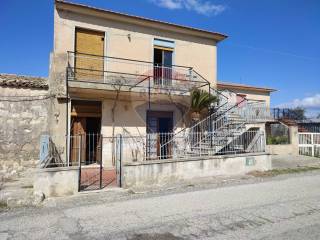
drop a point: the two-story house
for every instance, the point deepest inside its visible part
(115, 73)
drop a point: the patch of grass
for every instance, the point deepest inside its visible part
(275, 172)
(3, 205)
(277, 140)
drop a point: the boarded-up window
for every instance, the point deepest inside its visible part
(89, 60)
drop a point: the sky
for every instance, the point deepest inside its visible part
(271, 43)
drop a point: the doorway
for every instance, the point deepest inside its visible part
(159, 132)
(85, 132)
(86, 146)
(162, 58)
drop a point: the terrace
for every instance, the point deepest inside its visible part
(111, 73)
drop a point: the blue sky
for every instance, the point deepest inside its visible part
(273, 43)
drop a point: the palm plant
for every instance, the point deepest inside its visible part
(200, 102)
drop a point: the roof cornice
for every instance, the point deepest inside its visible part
(223, 85)
(161, 25)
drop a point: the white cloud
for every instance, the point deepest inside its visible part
(199, 6)
(312, 102)
(170, 4)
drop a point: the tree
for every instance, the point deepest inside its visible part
(200, 101)
(298, 113)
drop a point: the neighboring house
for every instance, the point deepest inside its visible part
(244, 91)
(120, 115)
(24, 102)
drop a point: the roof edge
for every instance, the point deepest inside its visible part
(244, 87)
(23, 81)
(67, 5)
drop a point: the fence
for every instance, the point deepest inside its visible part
(93, 149)
(82, 150)
(309, 127)
(155, 146)
(309, 144)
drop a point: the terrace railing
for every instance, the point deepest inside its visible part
(132, 74)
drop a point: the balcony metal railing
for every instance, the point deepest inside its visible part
(131, 74)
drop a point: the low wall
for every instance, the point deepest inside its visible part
(161, 172)
(56, 182)
(286, 149)
(283, 149)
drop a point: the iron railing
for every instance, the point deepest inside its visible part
(191, 145)
(74, 150)
(285, 113)
(229, 118)
(131, 74)
(137, 148)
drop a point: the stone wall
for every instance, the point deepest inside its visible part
(23, 118)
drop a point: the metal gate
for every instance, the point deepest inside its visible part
(92, 173)
(309, 144)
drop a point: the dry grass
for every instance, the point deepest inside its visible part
(275, 172)
(3, 205)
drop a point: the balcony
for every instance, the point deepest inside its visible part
(111, 73)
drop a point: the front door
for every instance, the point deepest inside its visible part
(159, 129)
(86, 146)
(78, 140)
(89, 60)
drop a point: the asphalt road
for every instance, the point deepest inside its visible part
(278, 209)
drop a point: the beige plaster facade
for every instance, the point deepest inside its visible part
(127, 37)
(132, 38)
(249, 92)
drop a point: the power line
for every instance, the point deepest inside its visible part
(274, 51)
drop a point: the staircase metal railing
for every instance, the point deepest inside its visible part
(220, 124)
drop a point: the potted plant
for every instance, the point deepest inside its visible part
(201, 100)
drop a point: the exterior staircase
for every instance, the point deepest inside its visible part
(224, 131)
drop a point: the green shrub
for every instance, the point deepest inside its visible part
(277, 140)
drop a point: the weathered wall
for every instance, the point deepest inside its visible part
(56, 182)
(165, 172)
(22, 123)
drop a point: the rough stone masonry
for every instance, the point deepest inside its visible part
(24, 104)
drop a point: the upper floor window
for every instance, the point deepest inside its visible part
(163, 61)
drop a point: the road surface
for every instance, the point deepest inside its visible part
(277, 209)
